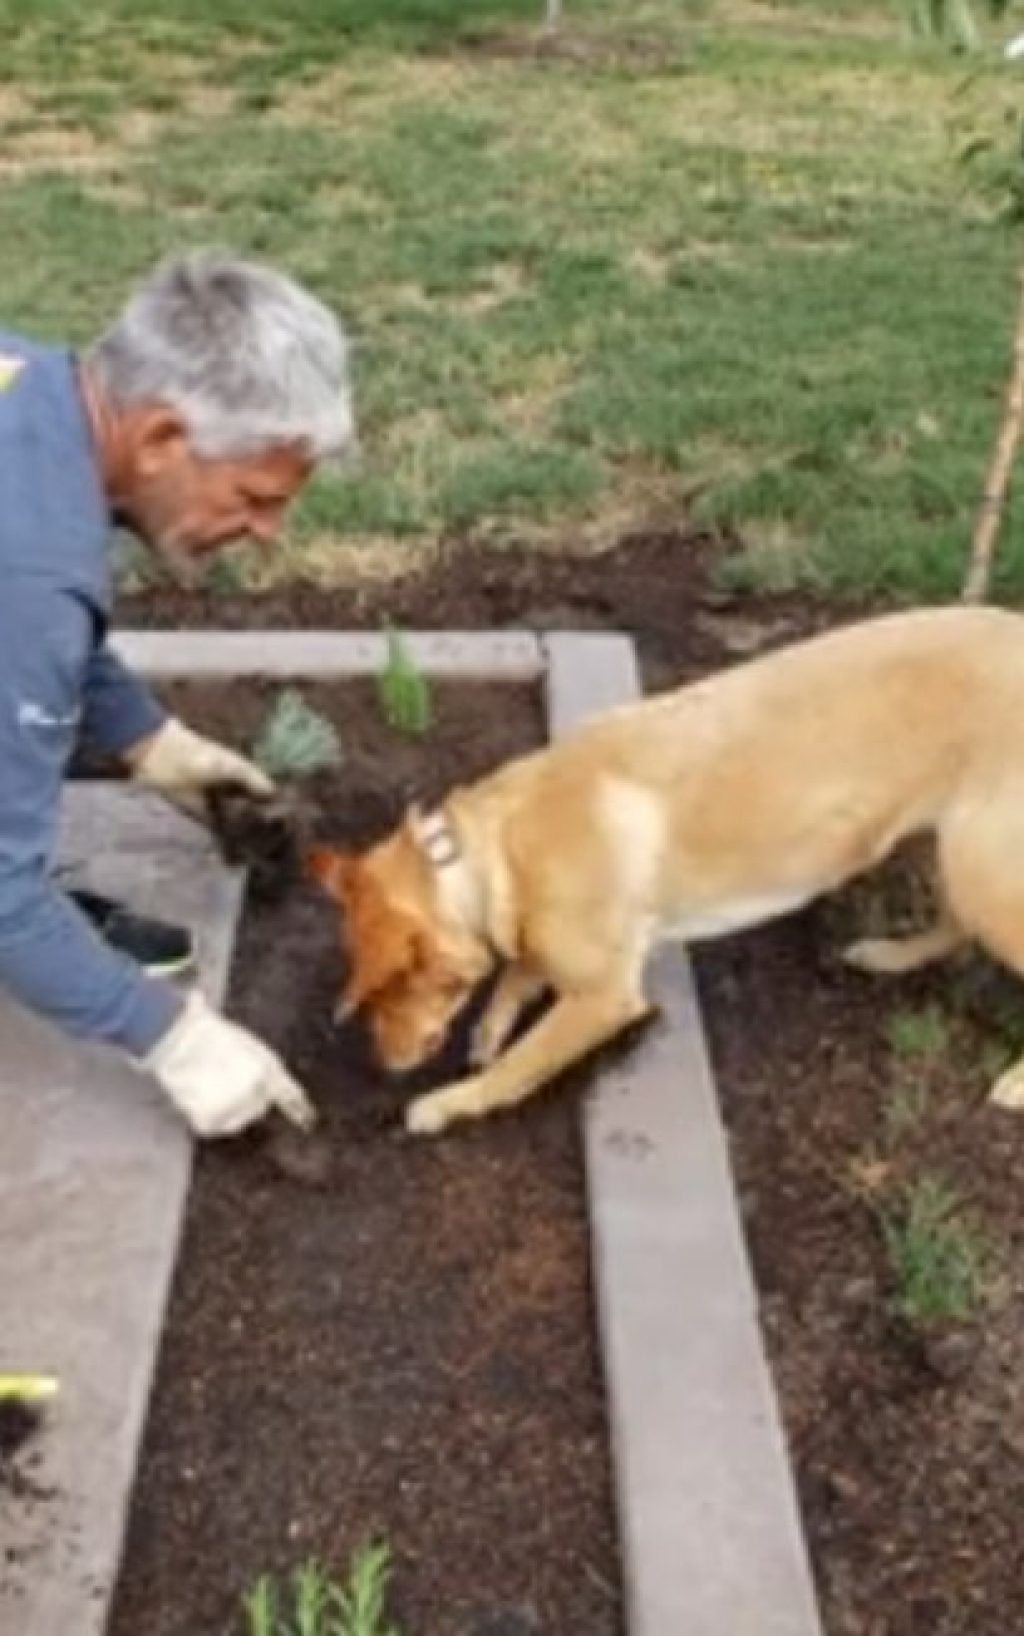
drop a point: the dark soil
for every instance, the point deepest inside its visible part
(18, 1424)
(372, 1337)
(908, 1442)
(22, 1483)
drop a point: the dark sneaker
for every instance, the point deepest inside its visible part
(159, 948)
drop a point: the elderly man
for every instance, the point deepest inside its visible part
(193, 421)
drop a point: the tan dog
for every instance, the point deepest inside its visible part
(688, 815)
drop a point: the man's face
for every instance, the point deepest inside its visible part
(186, 507)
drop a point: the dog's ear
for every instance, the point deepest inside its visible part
(382, 944)
(333, 869)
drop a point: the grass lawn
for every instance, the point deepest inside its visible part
(709, 256)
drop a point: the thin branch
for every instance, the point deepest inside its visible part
(990, 512)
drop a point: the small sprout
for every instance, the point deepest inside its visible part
(311, 1603)
(260, 1606)
(360, 1605)
(939, 1260)
(313, 1593)
(921, 1036)
(402, 689)
(296, 741)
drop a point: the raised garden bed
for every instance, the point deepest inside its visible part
(406, 1351)
(906, 1448)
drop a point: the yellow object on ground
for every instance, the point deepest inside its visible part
(28, 1388)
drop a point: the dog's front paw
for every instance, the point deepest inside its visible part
(431, 1114)
(423, 1117)
(1008, 1090)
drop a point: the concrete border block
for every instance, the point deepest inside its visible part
(495, 655)
(711, 1533)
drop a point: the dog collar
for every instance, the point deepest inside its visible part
(438, 839)
(463, 889)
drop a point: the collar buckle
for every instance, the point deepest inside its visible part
(439, 840)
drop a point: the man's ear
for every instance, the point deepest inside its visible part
(333, 870)
(160, 439)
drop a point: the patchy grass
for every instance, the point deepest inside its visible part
(919, 1038)
(938, 1258)
(706, 256)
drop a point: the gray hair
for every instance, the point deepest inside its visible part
(248, 358)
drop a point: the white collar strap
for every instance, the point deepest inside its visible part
(436, 835)
(461, 888)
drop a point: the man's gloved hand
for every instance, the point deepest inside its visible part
(221, 1078)
(181, 765)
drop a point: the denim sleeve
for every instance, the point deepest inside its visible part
(117, 708)
(51, 959)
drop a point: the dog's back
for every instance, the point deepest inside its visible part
(774, 781)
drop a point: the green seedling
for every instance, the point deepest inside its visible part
(295, 740)
(361, 1604)
(402, 689)
(310, 1603)
(938, 1259)
(919, 1036)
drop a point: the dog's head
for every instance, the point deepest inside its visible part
(409, 972)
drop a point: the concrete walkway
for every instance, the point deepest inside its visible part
(94, 1172)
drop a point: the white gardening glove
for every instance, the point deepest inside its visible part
(220, 1077)
(181, 764)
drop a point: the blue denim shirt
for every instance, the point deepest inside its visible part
(59, 682)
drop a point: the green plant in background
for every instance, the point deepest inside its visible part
(938, 1259)
(919, 1036)
(402, 689)
(295, 740)
(310, 1603)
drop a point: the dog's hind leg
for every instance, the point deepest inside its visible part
(980, 863)
(892, 956)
